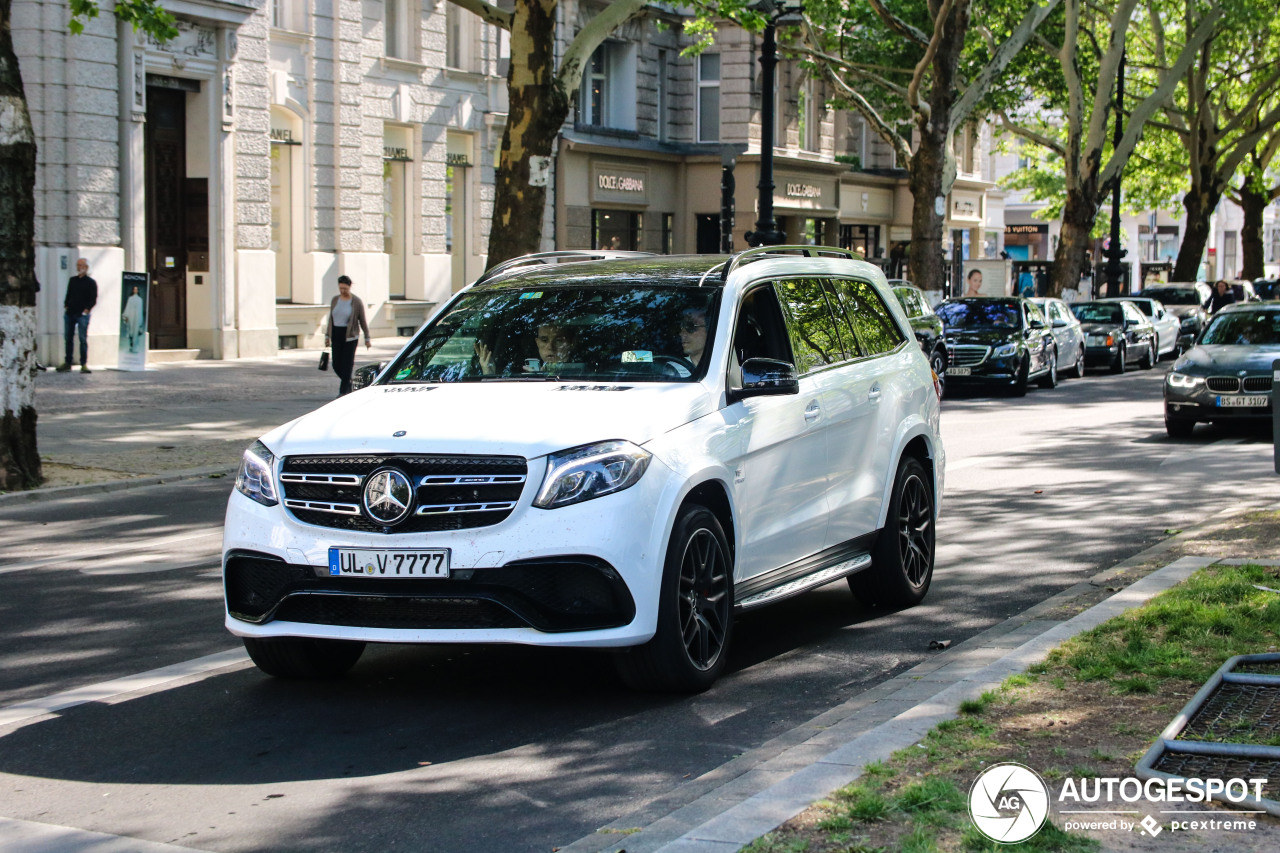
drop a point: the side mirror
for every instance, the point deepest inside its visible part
(365, 375)
(766, 377)
(1059, 323)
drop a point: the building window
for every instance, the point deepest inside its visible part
(461, 29)
(289, 15)
(809, 109)
(1229, 241)
(660, 87)
(861, 238)
(668, 233)
(399, 29)
(608, 97)
(709, 97)
(617, 229)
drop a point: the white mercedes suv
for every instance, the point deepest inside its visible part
(599, 449)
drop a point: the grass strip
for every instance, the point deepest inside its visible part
(1091, 708)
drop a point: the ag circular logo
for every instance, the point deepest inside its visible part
(1009, 802)
(388, 495)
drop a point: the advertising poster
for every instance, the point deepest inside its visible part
(133, 321)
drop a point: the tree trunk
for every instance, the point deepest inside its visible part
(1253, 204)
(1069, 260)
(925, 262)
(1199, 205)
(19, 459)
(538, 108)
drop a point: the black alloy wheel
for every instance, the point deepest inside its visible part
(902, 559)
(938, 362)
(1050, 378)
(1077, 369)
(1119, 365)
(303, 657)
(695, 611)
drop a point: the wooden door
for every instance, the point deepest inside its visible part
(166, 171)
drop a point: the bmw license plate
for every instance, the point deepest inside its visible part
(957, 371)
(388, 563)
(1245, 402)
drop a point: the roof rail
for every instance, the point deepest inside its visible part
(567, 255)
(762, 252)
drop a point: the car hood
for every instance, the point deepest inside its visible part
(1219, 358)
(526, 419)
(1101, 328)
(988, 336)
(1181, 311)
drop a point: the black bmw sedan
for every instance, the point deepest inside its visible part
(1001, 341)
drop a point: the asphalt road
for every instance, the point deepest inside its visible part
(511, 749)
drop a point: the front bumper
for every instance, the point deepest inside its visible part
(990, 370)
(1201, 404)
(581, 575)
(1101, 356)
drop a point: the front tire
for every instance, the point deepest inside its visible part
(695, 611)
(1019, 387)
(1119, 365)
(1179, 427)
(902, 560)
(303, 657)
(1050, 379)
(1149, 357)
(1077, 370)
(938, 361)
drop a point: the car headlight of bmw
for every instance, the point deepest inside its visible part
(592, 471)
(256, 478)
(1004, 350)
(1182, 380)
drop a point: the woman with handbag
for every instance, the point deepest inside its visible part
(346, 320)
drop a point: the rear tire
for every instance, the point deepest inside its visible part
(695, 611)
(1179, 427)
(303, 657)
(902, 560)
(1077, 370)
(1050, 379)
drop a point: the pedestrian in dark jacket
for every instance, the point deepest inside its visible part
(346, 320)
(82, 295)
(1222, 296)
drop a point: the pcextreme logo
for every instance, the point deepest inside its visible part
(1009, 802)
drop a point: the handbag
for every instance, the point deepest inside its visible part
(324, 360)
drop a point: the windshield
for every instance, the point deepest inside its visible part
(1267, 289)
(633, 334)
(1173, 295)
(1097, 312)
(979, 315)
(1244, 328)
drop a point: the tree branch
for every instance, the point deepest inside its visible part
(1030, 135)
(487, 12)
(930, 51)
(897, 25)
(1003, 56)
(592, 36)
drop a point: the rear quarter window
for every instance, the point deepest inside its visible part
(869, 317)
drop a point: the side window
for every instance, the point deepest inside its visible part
(761, 332)
(1056, 313)
(1132, 314)
(814, 336)
(869, 317)
(1034, 316)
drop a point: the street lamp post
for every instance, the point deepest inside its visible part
(766, 232)
(1114, 251)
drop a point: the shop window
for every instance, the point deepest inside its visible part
(617, 229)
(861, 238)
(668, 233)
(608, 97)
(709, 97)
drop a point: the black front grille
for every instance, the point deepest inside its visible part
(1223, 384)
(396, 612)
(450, 492)
(1257, 384)
(570, 593)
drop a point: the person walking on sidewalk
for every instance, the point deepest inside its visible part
(82, 295)
(346, 320)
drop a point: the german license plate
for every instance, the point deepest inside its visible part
(1245, 402)
(958, 371)
(388, 563)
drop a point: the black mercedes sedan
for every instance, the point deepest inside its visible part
(1227, 375)
(1001, 341)
(1116, 333)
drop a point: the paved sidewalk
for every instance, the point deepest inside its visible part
(191, 418)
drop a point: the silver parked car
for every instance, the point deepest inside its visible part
(1168, 326)
(1067, 334)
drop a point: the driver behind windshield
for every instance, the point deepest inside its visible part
(693, 334)
(555, 347)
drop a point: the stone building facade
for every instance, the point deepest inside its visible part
(242, 167)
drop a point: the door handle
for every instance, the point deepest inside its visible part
(812, 411)
(874, 393)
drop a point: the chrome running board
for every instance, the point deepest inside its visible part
(854, 564)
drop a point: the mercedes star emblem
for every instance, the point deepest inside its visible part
(388, 495)
(398, 434)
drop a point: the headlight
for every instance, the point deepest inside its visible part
(255, 479)
(1004, 350)
(1182, 380)
(590, 472)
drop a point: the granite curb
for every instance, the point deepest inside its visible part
(40, 495)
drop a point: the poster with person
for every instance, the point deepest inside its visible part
(133, 321)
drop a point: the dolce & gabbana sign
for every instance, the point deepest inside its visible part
(805, 192)
(615, 184)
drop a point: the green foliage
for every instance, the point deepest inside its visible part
(144, 15)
